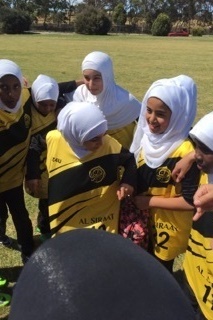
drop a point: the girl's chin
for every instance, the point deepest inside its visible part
(203, 168)
(200, 167)
(154, 130)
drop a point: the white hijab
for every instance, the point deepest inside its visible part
(78, 128)
(118, 105)
(44, 88)
(203, 130)
(180, 95)
(8, 67)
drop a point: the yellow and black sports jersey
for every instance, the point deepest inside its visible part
(124, 135)
(198, 263)
(42, 124)
(170, 228)
(15, 129)
(82, 192)
(36, 159)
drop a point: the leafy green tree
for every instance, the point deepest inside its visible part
(27, 6)
(119, 15)
(4, 3)
(104, 4)
(161, 26)
(4, 12)
(70, 9)
(43, 9)
(16, 22)
(137, 10)
(92, 21)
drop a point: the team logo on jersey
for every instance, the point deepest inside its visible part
(97, 174)
(27, 120)
(163, 174)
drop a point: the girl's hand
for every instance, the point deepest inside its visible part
(183, 166)
(124, 191)
(33, 187)
(203, 200)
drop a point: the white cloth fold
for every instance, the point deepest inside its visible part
(8, 67)
(180, 95)
(79, 122)
(118, 105)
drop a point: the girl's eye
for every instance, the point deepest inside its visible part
(161, 115)
(3, 87)
(205, 150)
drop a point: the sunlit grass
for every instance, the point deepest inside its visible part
(138, 59)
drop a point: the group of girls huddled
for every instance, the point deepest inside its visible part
(84, 147)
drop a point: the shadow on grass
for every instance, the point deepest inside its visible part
(11, 274)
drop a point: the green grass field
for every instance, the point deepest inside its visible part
(138, 61)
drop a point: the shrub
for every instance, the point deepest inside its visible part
(198, 31)
(92, 21)
(16, 22)
(4, 12)
(161, 26)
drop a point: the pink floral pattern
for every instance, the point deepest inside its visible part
(134, 223)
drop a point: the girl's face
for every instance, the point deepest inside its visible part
(10, 90)
(93, 81)
(203, 157)
(157, 115)
(94, 144)
(46, 106)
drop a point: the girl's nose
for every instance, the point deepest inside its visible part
(198, 155)
(91, 83)
(152, 118)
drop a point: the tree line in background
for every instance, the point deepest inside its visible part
(100, 16)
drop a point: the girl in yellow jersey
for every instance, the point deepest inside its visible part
(161, 139)
(45, 107)
(83, 166)
(119, 106)
(198, 261)
(44, 92)
(15, 126)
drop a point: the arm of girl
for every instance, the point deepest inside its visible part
(183, 166)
